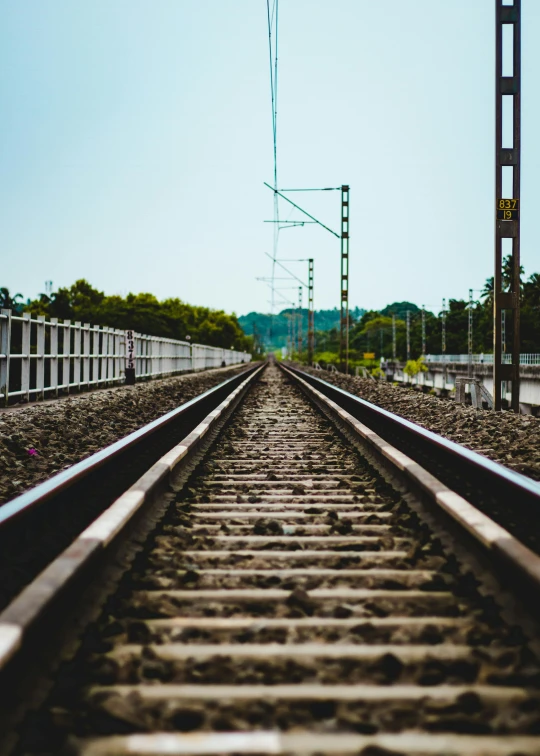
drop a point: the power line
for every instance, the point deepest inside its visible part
(278, 262)
(323, 189)
(273, 18)
(276, 192)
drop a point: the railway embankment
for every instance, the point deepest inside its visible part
(38, 441)
(512, 440)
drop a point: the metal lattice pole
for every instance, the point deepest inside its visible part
(300, 320)
(443, 327)
(507, 223)
(393, 337)
(470, 334)
(311, 314)
(408, 335)
(344, 319)
(423, 330)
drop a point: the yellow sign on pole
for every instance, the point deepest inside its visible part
(369, 355)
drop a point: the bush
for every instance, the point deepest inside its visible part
(413, 367)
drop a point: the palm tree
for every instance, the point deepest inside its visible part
(508, 273)
(8, 302)
(531, 291)
(487, 292)
(507, 276)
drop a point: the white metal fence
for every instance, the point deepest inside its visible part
(487, 359)
(40, 357)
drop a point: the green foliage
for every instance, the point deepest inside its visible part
(399, 309)
(372, 332)
(170, 318)
(9, 301)
(326, 358)
(413, 367)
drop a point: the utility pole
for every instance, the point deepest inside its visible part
(293, 331)
(408, 335)
(300, 320)
(470, 340)
(344, 319)
(507, 222)
(290, 334)
(423, 330)
(443, 339)
(311, 314)
(393, 337)
(443, 327)
(344, 237)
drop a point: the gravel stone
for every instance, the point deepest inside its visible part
(40, 440)
(513, 440)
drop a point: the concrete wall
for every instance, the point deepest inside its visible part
(441, 376)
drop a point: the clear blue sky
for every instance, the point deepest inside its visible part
(136, 136)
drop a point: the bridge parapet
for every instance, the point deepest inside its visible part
(440, 378)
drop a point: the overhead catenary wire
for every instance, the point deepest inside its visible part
(321, 189)
(273, 24)
(293, 275)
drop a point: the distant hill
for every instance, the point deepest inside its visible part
(272, 330)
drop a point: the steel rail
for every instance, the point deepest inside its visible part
(70, 570)
(39, 524)
(512, 561)
(466, 467)
(65, 479)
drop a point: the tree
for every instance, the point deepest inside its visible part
(399, 309)
(507, 274)
(9, 302)
(487, 292)
(170, 318)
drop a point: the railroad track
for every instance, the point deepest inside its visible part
(307, 589)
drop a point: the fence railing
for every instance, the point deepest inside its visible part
(40, 357)
(486, 359)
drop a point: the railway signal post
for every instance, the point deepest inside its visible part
(507, 160)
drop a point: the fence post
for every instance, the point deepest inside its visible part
(130, 358)
(25, 360)
(95, 355)
(66, 351)
(77, 353)
(53, 360)
(5, 349)
(118, 353)
(104, 353)
(86, 354)
(40, 356)
(110, 352)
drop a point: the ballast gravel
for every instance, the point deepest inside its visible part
(40, 440)
(513, 440)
